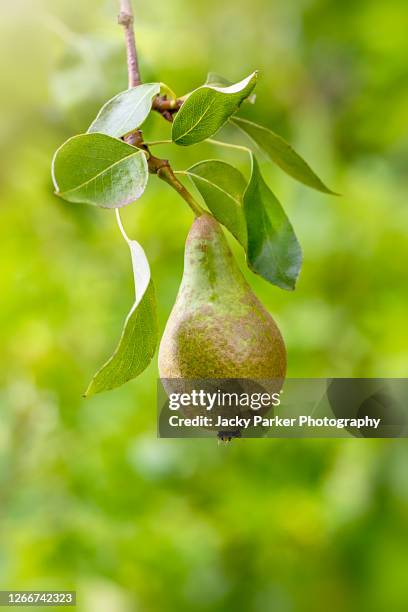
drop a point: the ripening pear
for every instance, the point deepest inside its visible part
(218, 328)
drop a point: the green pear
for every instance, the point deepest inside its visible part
(218, 328)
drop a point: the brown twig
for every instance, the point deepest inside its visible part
(166, 108)
(126, 19)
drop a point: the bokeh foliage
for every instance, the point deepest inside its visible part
(89, 498)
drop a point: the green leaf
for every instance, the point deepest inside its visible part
(222, 187)
(282, 154)
(207, 109)
(126, 111)
(217, 80)
(273, 251)
(254, 216)
(138, 341)
(165, 90)
(99, 170)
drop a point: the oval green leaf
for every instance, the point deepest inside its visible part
(207, 109)
(138, 341)
(99, 170)
(222, 187)
(273, 250)
(126, 111)
(217, 80)
(282, 154)
(165, 90)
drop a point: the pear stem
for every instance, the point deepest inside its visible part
(167, 175)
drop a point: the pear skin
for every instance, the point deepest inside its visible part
(218, 328)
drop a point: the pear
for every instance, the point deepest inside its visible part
(218, 328)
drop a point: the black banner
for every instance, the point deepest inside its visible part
(290, 408)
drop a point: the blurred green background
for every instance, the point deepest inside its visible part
(89, 498)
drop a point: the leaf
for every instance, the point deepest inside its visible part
(165, 90)
(126, 111)
(138, 341)
(254, 216)
(282, 154)
(273, 251)
(99, 170)
(207, 109)
(222, 187)
(215, 79)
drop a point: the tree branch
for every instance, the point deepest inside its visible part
(126, 19)
(166, 108)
